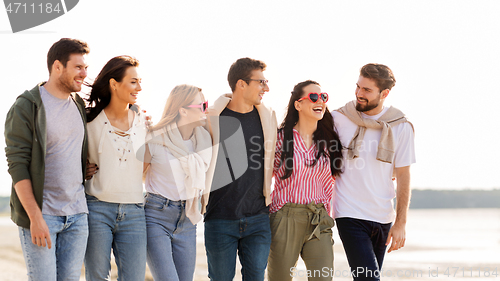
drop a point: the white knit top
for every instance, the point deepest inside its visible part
(119, 179)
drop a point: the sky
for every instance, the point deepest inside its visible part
(444, 54)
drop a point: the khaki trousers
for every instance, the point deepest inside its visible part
(304, 230)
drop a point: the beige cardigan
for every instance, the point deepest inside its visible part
(269, 128)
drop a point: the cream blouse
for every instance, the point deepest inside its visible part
(119, 179)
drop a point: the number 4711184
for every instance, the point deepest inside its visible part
(25, 8)
(471, 272)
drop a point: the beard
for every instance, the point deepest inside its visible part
(67, 83)
(369, 104)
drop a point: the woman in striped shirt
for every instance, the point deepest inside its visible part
(308, 157)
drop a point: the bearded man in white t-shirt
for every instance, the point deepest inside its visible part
(378, 143)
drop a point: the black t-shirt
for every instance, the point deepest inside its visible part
(243, 196)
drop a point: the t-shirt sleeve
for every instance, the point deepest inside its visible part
(405, 150)
(337, 116)
(156, 154)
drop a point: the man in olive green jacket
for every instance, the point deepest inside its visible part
(46, 138)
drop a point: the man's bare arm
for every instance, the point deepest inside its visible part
(38, 227)
(403, 193)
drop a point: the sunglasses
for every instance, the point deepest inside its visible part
(314, 97)
(262, 82)
(203, 106)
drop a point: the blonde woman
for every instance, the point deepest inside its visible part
(177, 158)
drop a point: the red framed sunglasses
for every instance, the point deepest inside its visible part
(203, 106)
(314, 97)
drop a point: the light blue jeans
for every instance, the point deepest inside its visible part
(171, 239)
(64, 260)
(117, 227)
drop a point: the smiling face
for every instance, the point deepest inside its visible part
(195, 115)
(71, 77)
(127, 90)
(308, 109)
(254, 90)
(369, 99)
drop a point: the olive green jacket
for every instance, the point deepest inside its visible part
(26, 140)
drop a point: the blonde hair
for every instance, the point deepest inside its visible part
(180, 96)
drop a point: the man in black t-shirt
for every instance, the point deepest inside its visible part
(237, 212)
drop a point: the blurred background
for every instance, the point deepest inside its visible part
(444, 55)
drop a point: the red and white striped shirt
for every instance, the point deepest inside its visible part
(306, 184)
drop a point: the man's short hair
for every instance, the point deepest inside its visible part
(381, 74)
(242, 69)
(62, 49)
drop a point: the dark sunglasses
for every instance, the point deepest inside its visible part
(314, 97)
(203, 106)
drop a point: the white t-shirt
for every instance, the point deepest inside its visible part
(365, 189)
(165, 175)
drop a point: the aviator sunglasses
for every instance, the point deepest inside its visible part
(203, 106)
(314, 97)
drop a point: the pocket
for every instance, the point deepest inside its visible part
(275, 216)
(275, 219)
(153, 204)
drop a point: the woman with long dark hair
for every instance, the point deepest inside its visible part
(116, 131)
(308, 157)
(177, 159)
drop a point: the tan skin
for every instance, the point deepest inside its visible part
(247, 94)
(308, 117)
(62, 81)
(367, 92)
(398, 233)
(123, 94)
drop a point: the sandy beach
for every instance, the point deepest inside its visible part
(12, 266)
(442, 244)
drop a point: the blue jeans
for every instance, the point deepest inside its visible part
(250, 237)
(63, 261)
(121, 227)
(171, 239)
(364, 245)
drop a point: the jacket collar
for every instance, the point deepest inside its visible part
(35, 97)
